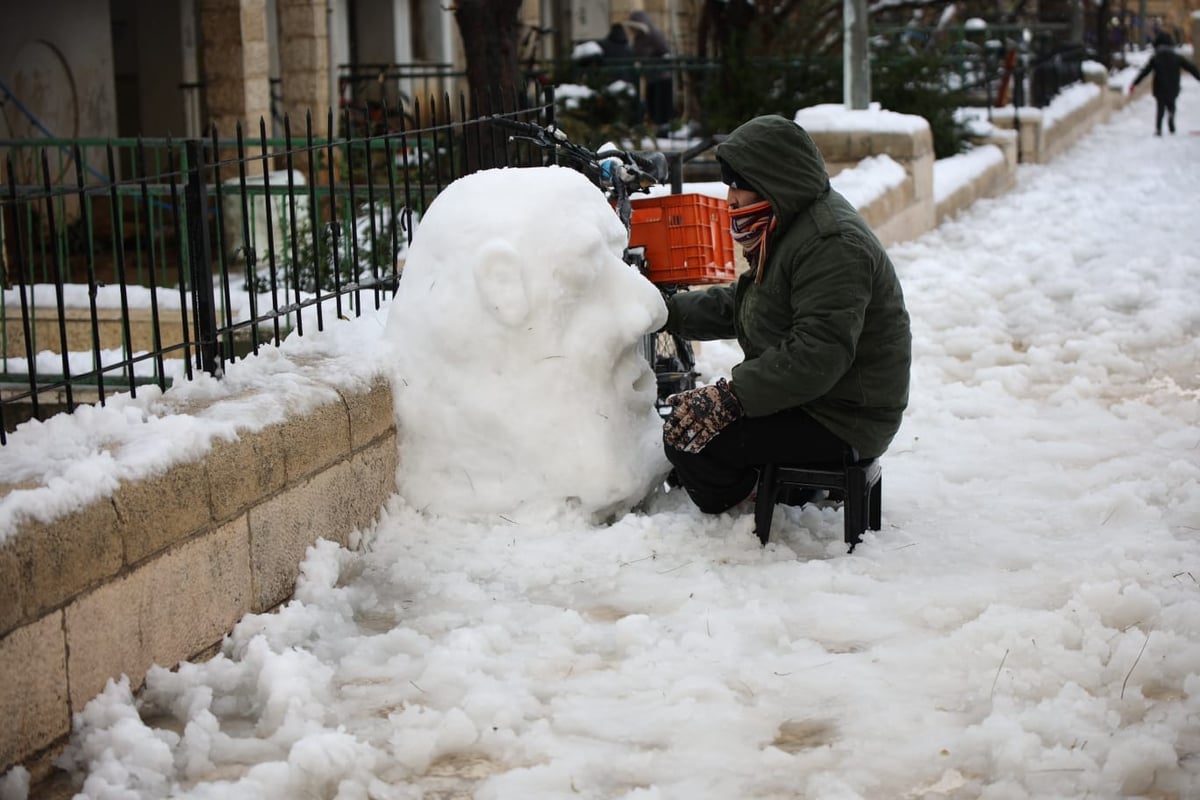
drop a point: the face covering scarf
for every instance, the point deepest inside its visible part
(749, 226)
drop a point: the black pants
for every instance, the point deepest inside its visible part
(726, 470)
(1167, 105)
(660, 100)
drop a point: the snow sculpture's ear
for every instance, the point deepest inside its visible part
(501, 283)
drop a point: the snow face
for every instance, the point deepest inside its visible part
(520, 384)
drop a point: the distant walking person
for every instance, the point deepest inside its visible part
(1166, 64)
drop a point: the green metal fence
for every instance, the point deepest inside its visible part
(134, 261)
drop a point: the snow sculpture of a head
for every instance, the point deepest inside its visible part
(520, 384)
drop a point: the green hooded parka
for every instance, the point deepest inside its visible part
(825, 329)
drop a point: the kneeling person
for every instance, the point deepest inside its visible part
(820, 318)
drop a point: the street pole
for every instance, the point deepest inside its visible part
(856, 63)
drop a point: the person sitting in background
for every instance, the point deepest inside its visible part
(820, 318)
(650, 43)
(616, 48)
(1167, 65)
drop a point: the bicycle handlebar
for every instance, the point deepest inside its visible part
(634, 170)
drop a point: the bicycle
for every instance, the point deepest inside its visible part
(619, 174)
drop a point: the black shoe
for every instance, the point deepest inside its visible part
(1171, 126)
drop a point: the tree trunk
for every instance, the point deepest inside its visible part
(490, 31)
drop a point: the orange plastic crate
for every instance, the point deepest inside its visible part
(686, 237)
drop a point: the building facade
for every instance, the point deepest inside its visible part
(107, 68)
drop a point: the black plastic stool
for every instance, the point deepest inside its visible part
(860, 481)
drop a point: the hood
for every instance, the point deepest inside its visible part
(780, 160)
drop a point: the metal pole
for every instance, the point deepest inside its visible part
(200, 258)
(856, 64)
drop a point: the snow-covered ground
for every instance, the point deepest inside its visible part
(1026, 624)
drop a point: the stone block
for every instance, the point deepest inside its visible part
(375, 481)
(223, 58)
(305, 90)
(253, 20)
(902, 146)
(298, 55)
(226, 101)
(282, 528)
(315, 440)
(242, 472)
(256, 61)
(908, 223)
(920, 171)
(167, 610)
(257, 94)
(302, 19)
(157, 512)
(371, 413)
(836, 146)
(33, 693)
(12, 610)
(46, 564)
(884, 208)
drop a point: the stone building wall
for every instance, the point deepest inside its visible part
(304, 59)
(236, 64)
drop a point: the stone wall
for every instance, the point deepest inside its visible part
(160, 571)
(78, 325)
(1045, 133)
(903, 212)
(906, 211)
(304, 61)
(236, 63)
(993, 181)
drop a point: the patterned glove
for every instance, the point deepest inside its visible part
(698, 415)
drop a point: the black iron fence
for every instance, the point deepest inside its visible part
(139, 262)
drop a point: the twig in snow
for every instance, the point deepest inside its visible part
(1002, 660)
(673, 569)
(1135, 663)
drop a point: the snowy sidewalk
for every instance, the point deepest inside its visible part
(1027, 624)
